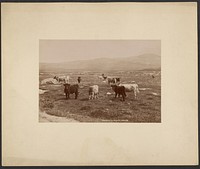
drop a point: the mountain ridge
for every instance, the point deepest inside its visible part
(145, 61)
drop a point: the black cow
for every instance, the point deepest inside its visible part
(70, 89)
(79, 79)
(119, 90)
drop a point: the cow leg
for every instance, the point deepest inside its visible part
(115, 95)
(135, 94)
(125, 94)
(89, 95)
(76, 95)
(67, 95)
(96, 95)
(123, 97)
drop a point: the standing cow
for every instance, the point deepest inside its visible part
(113, 80)
(70, 89)
(104, 77)
(64, 79)
(93, 92)
(119, 90)
(100, 77)
(79, 79)
(131, 88)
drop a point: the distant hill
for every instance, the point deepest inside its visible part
(146, 61)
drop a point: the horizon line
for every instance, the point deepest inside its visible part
(98, 58)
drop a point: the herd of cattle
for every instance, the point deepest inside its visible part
(119, 88)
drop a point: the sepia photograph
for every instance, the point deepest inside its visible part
(99, 84)
(100, 81)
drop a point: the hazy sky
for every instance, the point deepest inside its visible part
(52, 51)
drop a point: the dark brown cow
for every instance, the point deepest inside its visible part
(79, 79)
(70, 89)
(119, 90)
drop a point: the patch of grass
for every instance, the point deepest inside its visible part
(85, 108)
(46, 104)
(97, 113)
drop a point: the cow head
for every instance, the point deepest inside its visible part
(56, 77)
(113, 86)
(118, 79)
(67, 86)
(79, 78)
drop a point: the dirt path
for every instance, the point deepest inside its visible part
(44, 117)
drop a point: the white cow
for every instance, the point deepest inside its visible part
(93, 92)
(64, 79)
(113, 80)
(67, 79)
(100, 77)
(131, 87)
(49, 81)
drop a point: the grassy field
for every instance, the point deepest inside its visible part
(147, 108)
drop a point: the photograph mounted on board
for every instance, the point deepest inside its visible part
(100, 84)
(100, 81)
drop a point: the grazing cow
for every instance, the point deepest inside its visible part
(70, 89)
(104, 77)
(119, 90)
(113, 80)
(110, 80)
(130, 88)
(64, 79)
(93, 92)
